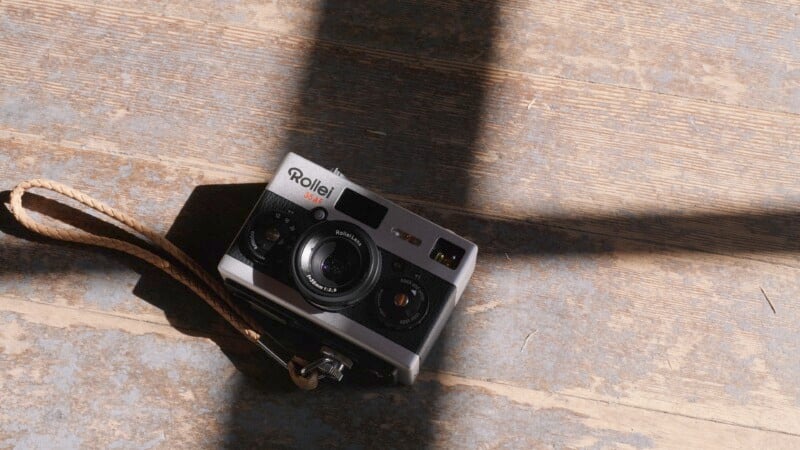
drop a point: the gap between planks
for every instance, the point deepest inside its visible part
(544, 399)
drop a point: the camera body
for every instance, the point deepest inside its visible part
(362, 275)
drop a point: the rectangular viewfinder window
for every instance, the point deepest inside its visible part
(361, 208)
(447, 253)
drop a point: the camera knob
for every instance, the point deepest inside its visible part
(271, 230)
(401, 304)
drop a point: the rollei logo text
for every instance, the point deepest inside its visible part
(349, 236)
(314, 185)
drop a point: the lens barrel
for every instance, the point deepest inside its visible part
(335, 264)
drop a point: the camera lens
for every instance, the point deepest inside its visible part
(401, 304)
(335, 264)
(338, 261)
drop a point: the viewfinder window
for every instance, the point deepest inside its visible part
(447, 254)
(361, 208)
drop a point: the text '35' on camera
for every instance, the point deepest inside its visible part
(348, 270)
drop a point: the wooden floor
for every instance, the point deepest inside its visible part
(629, 172)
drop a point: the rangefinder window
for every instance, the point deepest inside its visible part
(447, 253)
(361, 208)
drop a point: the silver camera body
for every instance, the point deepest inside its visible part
(366, 277)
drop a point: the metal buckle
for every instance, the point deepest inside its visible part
(330, 365)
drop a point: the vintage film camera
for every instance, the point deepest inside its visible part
(370, 281)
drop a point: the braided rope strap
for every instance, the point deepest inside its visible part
(200, 282)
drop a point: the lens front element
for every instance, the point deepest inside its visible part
(336, 263)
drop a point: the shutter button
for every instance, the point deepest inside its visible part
(319, 214)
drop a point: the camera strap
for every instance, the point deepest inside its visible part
(304, 374)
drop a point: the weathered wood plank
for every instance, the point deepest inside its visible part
(735, 52)
(65, 274)
(77, 380)
(599, 317)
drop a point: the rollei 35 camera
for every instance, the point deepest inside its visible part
(372, 283)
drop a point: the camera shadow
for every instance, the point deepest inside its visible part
(205, 226)
(266, 409)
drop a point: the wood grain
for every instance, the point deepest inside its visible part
(630, 175)
(659, 168)
(195, 398)
(740, 53)
(609, 319)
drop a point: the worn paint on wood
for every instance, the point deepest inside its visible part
(629, 175)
